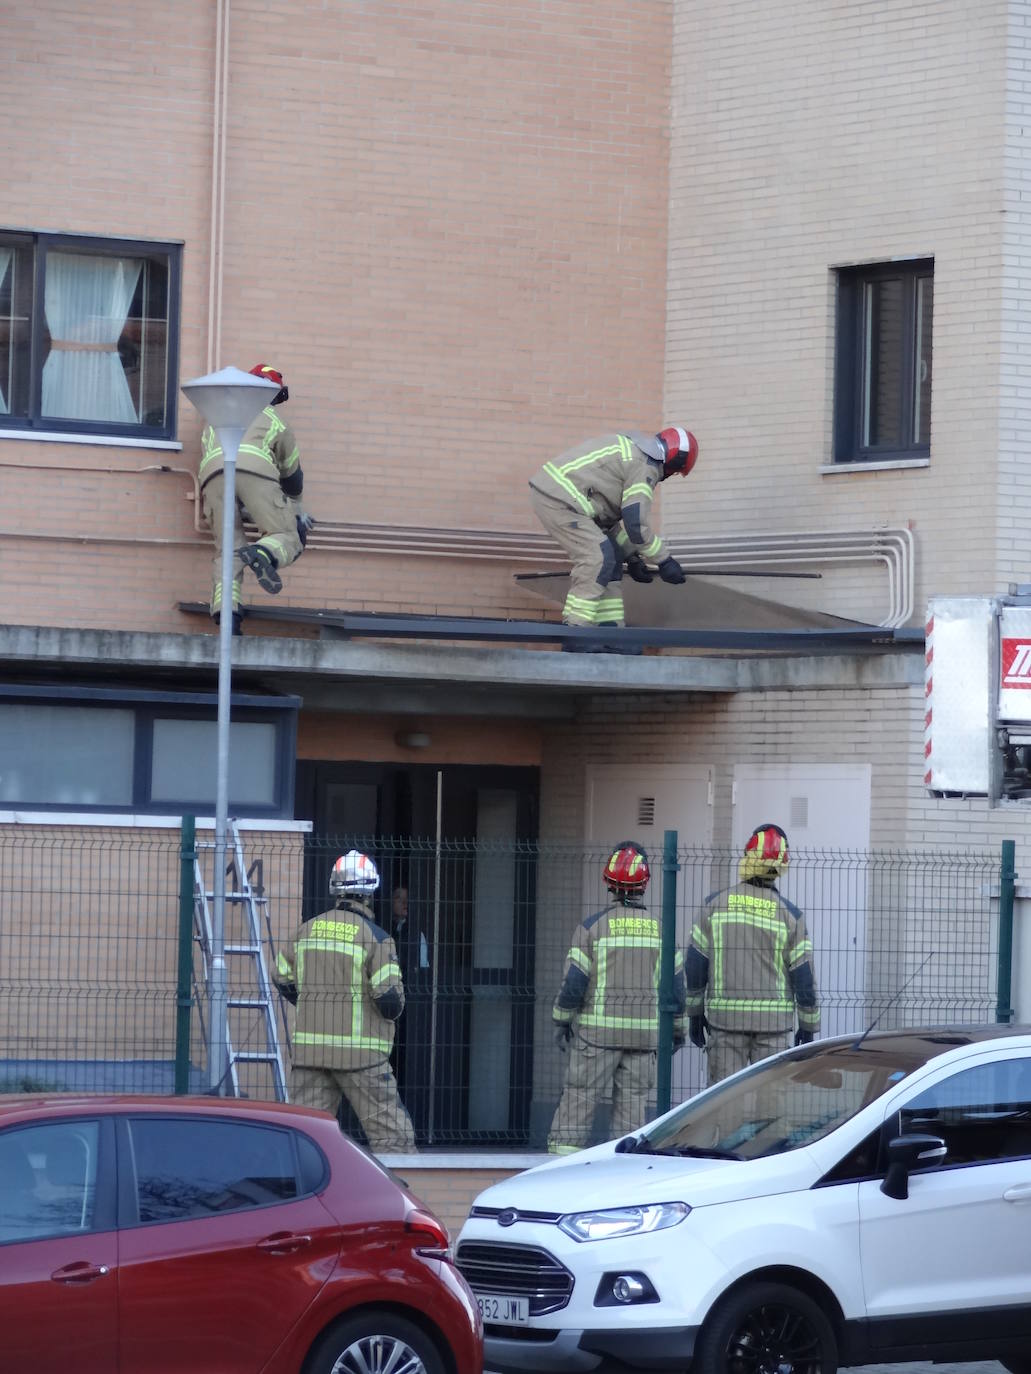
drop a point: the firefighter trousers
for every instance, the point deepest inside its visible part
(595, 594)
(596, 1074)
(728, 1051)
(372, 1093)
(268, 506)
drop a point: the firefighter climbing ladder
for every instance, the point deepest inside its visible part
(252, 1016)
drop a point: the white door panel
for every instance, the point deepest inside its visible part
(954, 1243)
(825, 811)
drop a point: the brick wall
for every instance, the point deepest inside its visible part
(808, 136)
(445, 223)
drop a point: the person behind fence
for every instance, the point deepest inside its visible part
(606, 1014)
(343, 974)
(749, 965)
(413, 1041)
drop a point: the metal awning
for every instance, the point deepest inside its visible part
(824, 634)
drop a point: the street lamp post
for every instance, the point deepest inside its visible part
(229, 401)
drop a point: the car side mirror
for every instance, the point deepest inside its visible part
(905, 1152)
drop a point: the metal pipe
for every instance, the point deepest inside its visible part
(229, 438)
(436, 962)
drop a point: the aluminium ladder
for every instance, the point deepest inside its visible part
(260, 1041)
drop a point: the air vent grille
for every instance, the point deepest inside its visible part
(646, 811)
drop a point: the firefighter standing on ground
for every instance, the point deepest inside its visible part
(342, 970)
(269, 483)
(596, 501)
(750, 965)
(607, 1010)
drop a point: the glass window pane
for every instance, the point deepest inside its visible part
(16, 276)
(66, 755)
(86, 302)
(882, 363)
(48, 1180)
(186, 755)
(983, 1114)
(922, 387)
(201, 1168)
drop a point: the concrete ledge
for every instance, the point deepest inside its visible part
(489, 666)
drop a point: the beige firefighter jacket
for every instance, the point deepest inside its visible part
(749, 963)
(344, 970)
(268, 449)
(612, 481)
(611, 982)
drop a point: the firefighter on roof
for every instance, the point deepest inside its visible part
(606, 1013)
(750, 965)
(343, 973)
(596, 501)
(269, 483)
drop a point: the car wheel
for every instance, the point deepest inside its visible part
(766, 1328)
(377, 1343)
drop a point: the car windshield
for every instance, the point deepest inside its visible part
(791, 1101)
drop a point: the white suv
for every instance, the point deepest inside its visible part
(862, 1200)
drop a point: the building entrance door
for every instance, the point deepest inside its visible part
(456, 842)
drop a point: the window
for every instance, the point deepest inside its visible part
(883, 362)
(112, 750)
(89, 335)
(202, 1168)
(48, 1180)
(983, 1114)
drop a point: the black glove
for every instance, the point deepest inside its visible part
(563, 1035)
(671, 571)
(289, 992)
(304, 524)
(803, 1037)
(678, 1040)
(638, 568)
(696, 1031)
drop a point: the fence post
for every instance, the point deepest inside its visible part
(1007, 890)
(667, 1006)
(184, 988)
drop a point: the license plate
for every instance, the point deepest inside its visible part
(505, 1311)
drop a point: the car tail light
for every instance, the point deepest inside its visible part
(431, 1236)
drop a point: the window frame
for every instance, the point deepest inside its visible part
(105, 1202)
(848, 448)
(151, 705)
(41, 244)
(128, 1181)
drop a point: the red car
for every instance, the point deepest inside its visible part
(159, 1235)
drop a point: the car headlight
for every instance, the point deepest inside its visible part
(623, 1221)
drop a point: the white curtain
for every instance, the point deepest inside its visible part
(86, 301)
(5, 261)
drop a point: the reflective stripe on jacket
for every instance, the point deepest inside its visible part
(268, 449)
(349, 989)
(611, 480)
(611, 980)
(750, 963)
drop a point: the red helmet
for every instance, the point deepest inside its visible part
(681, 451)
(627, 869)
(272, 374)
(766, 851)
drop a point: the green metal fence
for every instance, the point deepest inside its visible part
(99, 991)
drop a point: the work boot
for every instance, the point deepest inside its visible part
(237, 622)
(613, 646)
(263, 566)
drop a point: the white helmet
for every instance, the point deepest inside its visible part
(353, 872)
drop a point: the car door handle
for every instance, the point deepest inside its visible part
(1020, 1193)
(283, 1243)
(80, 1271)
